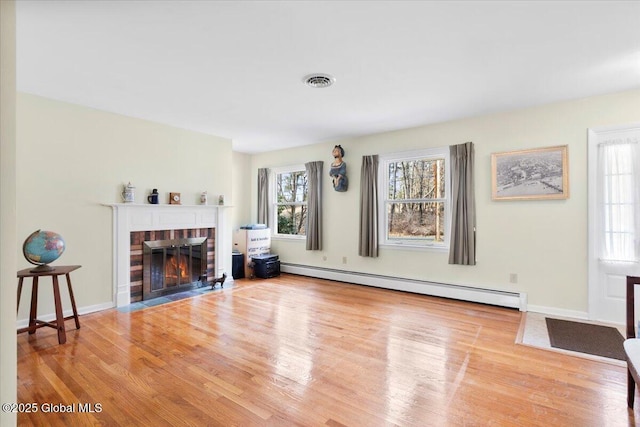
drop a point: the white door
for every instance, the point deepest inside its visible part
(614, 219)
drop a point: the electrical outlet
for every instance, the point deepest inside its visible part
(344, 259)
(513, 278)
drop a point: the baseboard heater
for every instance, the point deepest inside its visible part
(459, 292)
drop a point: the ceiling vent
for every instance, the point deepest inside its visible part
(319, 80)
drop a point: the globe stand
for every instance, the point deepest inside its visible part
(42, 268)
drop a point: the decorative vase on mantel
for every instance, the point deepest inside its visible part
(129, 193)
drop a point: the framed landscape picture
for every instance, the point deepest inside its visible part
(536, 174)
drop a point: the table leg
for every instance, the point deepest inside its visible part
(34, 306)
(62, 336)
(19, 293)
(73, 302)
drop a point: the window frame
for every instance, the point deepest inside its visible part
(273, 201)
(383, 198)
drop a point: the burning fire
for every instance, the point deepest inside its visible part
(173, 270)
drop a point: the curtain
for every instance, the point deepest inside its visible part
(462, 248)
(263, 196)
(314, 206)
(618, 200)
(369, 207)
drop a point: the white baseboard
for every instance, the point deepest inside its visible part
(459, 292)
(23, 323)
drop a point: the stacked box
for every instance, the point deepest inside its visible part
(266, 266)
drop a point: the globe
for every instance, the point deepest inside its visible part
(42, 248)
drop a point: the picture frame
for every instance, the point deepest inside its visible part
(534, 174)
(175, 199)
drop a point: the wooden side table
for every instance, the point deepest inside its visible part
(59, 322)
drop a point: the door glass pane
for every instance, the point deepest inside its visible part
(617, 204)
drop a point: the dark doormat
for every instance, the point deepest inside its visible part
(598, 340)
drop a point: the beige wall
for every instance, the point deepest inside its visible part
(8, 242)
(543, 242)
(241, 189)
(72, 159)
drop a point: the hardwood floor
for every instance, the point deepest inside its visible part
(300, 351)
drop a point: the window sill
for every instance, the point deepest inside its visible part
(289, 238)
(414, 248)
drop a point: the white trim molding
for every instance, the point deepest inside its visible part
(49, 317)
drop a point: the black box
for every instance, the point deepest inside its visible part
(266, 266)
(237, 266)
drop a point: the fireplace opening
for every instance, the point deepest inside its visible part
(173, 265)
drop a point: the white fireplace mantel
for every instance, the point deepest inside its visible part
(128, 217)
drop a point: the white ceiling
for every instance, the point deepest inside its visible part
(235, 68)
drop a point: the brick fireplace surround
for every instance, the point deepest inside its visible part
(139, 237)
(159, 220)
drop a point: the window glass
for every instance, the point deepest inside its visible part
(415, 198)
(291, 202)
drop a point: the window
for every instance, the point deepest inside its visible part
(290, 201)
(414, 199)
